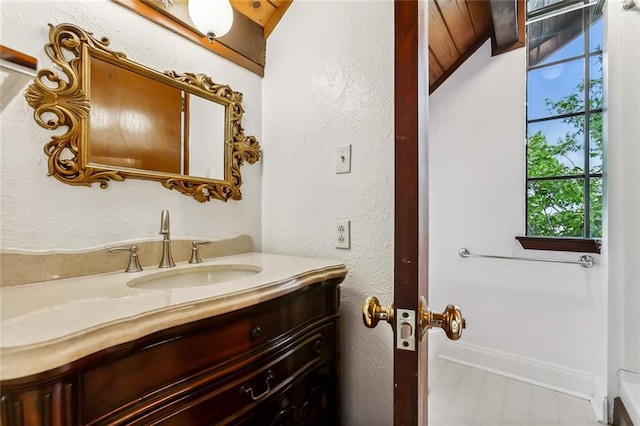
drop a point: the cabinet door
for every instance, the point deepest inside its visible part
(50, 404)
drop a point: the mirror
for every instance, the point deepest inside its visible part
(124, 120)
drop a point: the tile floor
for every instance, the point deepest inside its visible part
(461, 395)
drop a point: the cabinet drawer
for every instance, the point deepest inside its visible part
(145, 368)
(228, 400)
(310, 401)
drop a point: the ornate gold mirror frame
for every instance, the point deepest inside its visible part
(65, 101)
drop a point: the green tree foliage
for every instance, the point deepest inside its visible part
(556, 206)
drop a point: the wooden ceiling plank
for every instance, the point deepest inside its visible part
(458, 22)
(480, 12)
(457, 28)
(449, 71)
(440, 39)
(435, 69)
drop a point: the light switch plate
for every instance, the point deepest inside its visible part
(343, 159)
(343, 234)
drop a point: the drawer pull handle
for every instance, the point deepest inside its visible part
(317, 347)
(246, 390)
(256, 332)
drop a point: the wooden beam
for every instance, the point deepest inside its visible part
(239, 45)
(505, 27)
(516, 39)
(18, 58)
(275, 18)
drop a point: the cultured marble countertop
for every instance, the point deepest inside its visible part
(48, 324)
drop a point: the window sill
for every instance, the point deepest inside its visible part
(581, 245)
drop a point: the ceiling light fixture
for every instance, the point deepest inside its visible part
(211, 17)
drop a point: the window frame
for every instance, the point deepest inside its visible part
(586, 243)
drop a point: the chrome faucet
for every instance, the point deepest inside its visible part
(167, 260)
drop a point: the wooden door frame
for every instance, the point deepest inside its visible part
(411, 195)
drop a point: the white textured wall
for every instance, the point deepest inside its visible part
(329, 82)
(541, 321)
(39, 212)
(623, 152)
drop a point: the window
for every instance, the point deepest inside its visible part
(564, 120)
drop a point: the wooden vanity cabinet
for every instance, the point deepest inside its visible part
(274, 363)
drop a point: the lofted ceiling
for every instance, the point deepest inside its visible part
(457, 28)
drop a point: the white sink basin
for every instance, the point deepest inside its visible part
(194, 277)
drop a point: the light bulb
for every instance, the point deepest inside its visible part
(211, 17)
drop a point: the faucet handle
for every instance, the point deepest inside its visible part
(134, 262)
(195, 253)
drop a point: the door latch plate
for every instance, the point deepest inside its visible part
(406, 329)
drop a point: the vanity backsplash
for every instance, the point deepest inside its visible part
(21, 267)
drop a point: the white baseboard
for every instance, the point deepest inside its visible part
(561, 379)
(598, 400)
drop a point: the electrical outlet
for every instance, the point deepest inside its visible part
(343, 234)
(343, 159)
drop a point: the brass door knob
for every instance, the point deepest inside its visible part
(372, 312)
(450, 320)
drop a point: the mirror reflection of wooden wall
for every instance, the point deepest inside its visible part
(135, 121)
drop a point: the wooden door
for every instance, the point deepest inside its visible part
(408, 315)
(411, 219)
